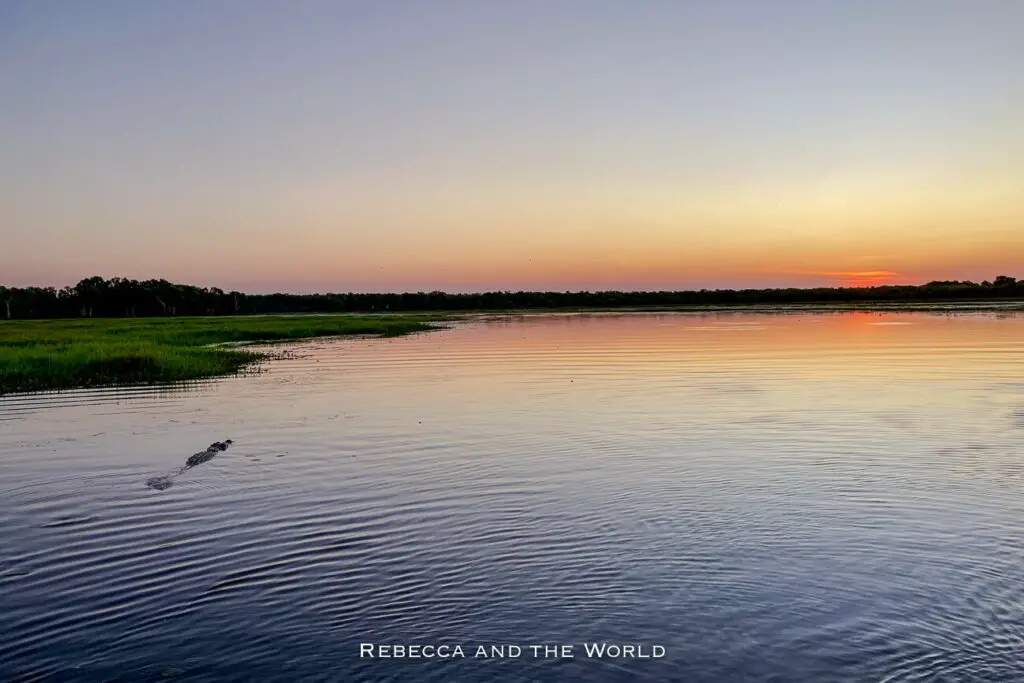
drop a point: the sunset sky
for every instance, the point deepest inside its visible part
(389, 145)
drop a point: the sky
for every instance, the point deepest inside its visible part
(469, 145)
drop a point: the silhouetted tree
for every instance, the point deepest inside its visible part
(96, 296)
(5, 297)
(1005, 281)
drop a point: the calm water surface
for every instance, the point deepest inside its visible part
(834, 497)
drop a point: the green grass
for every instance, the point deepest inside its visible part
(40, 355)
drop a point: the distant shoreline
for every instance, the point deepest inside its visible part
(96, 297)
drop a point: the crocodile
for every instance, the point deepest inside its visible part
(167, 480)
(207, 455)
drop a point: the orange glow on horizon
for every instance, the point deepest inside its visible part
(863, 278)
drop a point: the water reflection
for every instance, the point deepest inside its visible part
(799, 497)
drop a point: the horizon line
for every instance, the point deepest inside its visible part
(849, 285)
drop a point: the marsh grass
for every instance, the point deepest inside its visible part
(40, 355)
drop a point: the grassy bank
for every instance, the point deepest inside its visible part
(37, 355)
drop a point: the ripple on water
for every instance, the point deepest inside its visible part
(826, 502)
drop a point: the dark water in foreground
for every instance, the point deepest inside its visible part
(768, 498)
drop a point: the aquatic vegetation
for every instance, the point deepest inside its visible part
(39, 355)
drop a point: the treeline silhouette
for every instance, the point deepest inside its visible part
(120, 297)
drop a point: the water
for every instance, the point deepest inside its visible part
(833, 497)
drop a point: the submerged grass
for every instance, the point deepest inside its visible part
(40, 355)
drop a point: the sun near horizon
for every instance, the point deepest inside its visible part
(364, 146)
